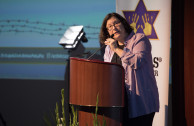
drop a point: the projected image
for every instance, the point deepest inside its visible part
(30, 32)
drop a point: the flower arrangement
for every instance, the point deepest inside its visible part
(73, 121)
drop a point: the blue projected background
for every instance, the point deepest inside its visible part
(30, 31)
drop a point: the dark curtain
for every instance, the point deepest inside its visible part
(189, 61)
(182, 63)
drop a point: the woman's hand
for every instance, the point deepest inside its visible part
(112, 43)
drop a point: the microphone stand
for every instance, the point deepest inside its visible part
(99, 48)
(96, 52)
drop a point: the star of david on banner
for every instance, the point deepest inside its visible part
(142, 20)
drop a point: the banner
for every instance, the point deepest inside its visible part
(153, 18)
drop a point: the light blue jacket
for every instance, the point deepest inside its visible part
(140, 82)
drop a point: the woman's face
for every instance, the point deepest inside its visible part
(114, 26)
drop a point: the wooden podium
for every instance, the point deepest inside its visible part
(89, 78)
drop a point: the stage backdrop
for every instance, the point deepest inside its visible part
(30, 31)
(153, 17)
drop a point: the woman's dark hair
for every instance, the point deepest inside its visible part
(103, 31)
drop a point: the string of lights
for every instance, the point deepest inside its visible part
(44, 23)
(43, 28)
(33, 27)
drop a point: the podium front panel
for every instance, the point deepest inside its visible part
(91, 78)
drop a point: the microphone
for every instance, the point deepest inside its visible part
(99, 48)
(112, 36)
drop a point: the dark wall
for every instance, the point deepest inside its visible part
(25, 102)
(178, 112)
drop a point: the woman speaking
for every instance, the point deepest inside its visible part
(133, 52)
